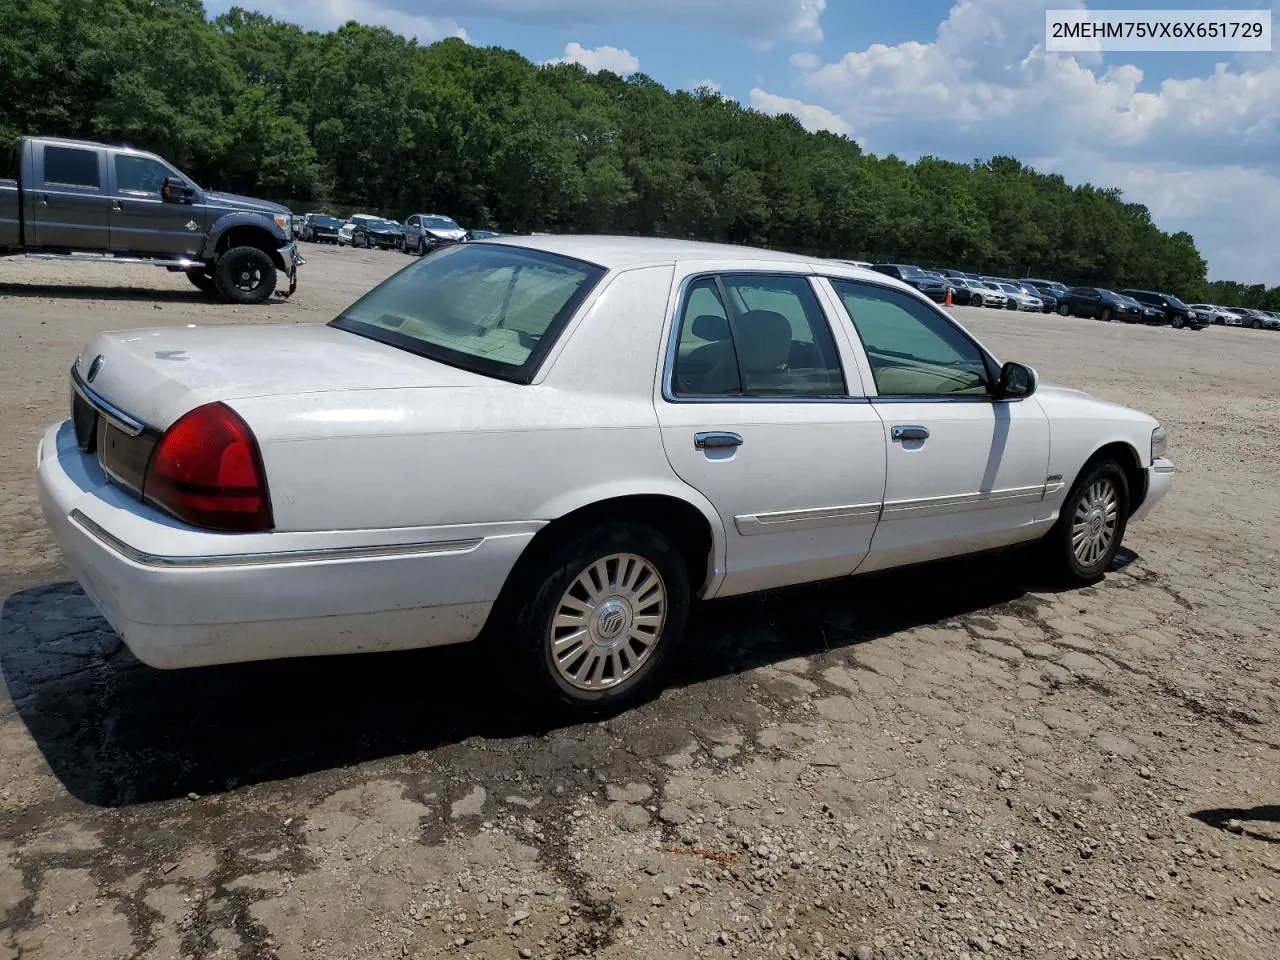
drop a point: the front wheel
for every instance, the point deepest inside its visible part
(975, 300)
(245, 275)
(1091, 524)
(1177, 323)
(605, 611)
(1256, 324)
(1105, 315)
(1064, 309)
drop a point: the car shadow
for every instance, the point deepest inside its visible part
(1240, 820)
(116, 732)
(82, 292)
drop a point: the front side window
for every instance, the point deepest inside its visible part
(913, 351)
(141, 175)
(488, 308)
(71, 166)
(755, 336)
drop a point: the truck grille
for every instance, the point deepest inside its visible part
(122, 450)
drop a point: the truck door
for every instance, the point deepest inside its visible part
(67, 202)
(142, 222)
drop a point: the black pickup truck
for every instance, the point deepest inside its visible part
(71, 200)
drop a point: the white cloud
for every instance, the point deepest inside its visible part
(986, 86)
(811, 116)
(706, 84)
(329, 14)
(805, 60)
(595, 59)
(758, 20)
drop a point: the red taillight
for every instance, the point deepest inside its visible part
(207, 470)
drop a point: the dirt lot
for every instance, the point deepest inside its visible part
(943, 763)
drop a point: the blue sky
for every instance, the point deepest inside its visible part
(1195, 137)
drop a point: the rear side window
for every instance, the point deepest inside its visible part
(488, 308)
(755, 336)
(71, 166)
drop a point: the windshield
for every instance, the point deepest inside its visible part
(326, 221)
(440, 223)
(489, 308)
(1174, 301)
(1008, 288)
(912, 272)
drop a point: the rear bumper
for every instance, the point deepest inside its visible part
(182, 597)
(1159, 480)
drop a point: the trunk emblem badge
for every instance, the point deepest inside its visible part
(94, 368)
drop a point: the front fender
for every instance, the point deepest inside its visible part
(241, 218)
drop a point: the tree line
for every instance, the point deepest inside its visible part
(362, 117)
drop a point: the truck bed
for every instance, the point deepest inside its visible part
(10, 214)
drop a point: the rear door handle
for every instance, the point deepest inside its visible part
(715, 440)
(910, 433)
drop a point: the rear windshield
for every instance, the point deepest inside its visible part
(489, 308)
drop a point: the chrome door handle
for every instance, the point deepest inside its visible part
(910, 433)
(716, 440)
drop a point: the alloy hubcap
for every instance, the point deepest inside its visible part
(608, 622)
(249, 279)
(1093, 527)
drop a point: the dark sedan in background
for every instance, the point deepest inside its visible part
(319, 228)
(1098, 303)
(930, 286)
(1176, 313)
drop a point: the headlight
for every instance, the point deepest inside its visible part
(1159, 441)
(282, 221)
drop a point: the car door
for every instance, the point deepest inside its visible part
(965, 471)
(67, 208)
(762, 410)
(142, 222)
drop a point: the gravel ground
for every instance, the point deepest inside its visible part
(949, 762)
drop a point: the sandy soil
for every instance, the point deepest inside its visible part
(951, 762)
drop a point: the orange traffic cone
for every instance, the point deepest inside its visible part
(947, 301)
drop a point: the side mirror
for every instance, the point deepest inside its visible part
(1017, 380)
(174, 190)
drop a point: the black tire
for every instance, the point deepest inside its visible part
(1012, 305)
(1105, 315)
(1178, 321)
(1064, 309)
(203, 282)
(538, 601)
(1068, 566)
(245, 275)
(975, 300)
(1256, 324)
(361, 240)
(422, 246)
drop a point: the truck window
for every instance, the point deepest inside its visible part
(71, 166)
(143, 175)
(9, 160)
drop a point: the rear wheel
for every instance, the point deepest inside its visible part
(602, 615)
(245, 275)
(1092, 523)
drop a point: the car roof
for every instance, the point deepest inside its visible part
(619, 252)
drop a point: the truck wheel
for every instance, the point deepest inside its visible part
(202, 281)
(245, 275)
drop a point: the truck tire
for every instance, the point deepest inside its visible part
(203, 282)
(245, 275)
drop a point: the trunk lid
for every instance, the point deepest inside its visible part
(155, 376)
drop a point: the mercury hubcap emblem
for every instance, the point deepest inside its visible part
(611, 618)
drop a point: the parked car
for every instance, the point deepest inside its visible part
(530, 494)
(364, 230)
(931, 287)
(1148, 314)
(1019, 299)
(1176, 313)
(72, 200)
(320, 228)
(424, 232)
(1098, 303)
(984, 293)
(1045, 288)
(950, 273)
(1257, 319)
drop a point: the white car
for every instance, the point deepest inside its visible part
(1019, 299)
(1215, 314)
(562, 441)
(982, 293)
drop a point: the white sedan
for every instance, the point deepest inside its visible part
(559, 443)
(1019, 299)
